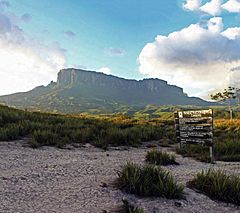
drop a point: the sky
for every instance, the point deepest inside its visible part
(193, 44)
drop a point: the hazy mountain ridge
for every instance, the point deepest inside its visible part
(79, 90)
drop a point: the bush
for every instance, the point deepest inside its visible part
(218, 185)
(45, 137)
(148, 181)
(198, 152)
(160, 158)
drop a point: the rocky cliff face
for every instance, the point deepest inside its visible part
(71, 77)
(80, 90)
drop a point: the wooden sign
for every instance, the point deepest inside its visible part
(194, 127)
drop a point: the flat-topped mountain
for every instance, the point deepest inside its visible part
(80, 90)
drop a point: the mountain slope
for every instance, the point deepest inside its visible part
(80, 90)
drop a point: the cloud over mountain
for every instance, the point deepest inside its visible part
(105, 70)
(196, 58)
(30, 61)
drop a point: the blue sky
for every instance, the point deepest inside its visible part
(109, 34)
(104, 24)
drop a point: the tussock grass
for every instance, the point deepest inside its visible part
(160, 158)
(148, 180)
(218, 185)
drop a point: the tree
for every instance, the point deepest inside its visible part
(226, 97)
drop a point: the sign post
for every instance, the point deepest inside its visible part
(195, 127)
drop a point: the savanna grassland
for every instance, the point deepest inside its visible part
(147, 156)
(100, 131)
(48, 129)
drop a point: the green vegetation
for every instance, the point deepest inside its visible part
(59, 130)
(198, 152)
(218, 185)
(113, 130)
(226, 143)
(148, 180)
(227, 97)
(128, 208)
(160, 158)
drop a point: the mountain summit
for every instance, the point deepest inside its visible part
(80, 90)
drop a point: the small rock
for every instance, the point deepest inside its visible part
(104, 185)
(178, 204)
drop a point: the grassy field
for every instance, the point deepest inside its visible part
(101, 131)
(113, 130)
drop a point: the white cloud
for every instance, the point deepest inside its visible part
(196, 58)
(232, 6)
(25, 62)
(105, 70)
(213, 7)
(215, 24)
(232, 33)
(192, 5)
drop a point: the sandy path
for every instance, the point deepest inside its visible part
(57, 180)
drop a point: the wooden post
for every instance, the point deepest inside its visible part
(211, 151)
(211, 154)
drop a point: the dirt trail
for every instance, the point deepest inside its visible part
(61, 180)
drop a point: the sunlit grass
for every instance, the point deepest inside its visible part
(218, 185)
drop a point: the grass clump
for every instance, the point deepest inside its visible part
(148, 180)
(198, 152)
(129, 208)
(218, 185)
(160, 158)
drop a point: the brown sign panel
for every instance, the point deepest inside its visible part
(194, 127)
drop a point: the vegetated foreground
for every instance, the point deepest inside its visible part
(77, 177)
(49, 179)
(61, 130)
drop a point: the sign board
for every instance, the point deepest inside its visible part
(194, 127)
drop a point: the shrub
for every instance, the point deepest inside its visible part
(160, 158)
(45, 137)
(196, 151)
(218, 185)
(148, 180)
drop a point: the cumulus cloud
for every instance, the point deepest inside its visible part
(197, 58)
(105, 70)
(213, 7)
(69, 34)
(232, 33)
(115, 51)
(215, 24)
(192, 5)
(232, 6)
(25, 62)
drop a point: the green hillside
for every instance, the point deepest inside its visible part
(85, 91)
